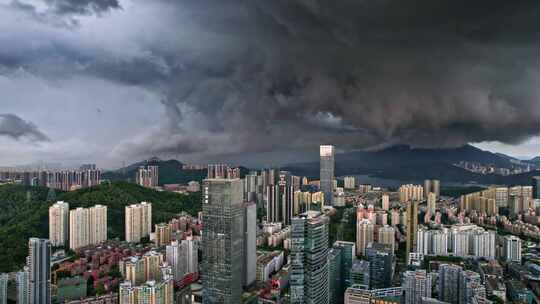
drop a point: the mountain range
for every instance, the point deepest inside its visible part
(407, 163)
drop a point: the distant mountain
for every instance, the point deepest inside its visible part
(406, 163)
(170, 172)
(25, 212)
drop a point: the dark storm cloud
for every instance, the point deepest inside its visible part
(357, 74)
(264, 75)
(13, 126)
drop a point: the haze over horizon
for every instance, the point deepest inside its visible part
(192, 80)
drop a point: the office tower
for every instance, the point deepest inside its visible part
(78, 228)
(147, 176)
(357, 294)
(512, 248)
(4, 279)
(309, 259)
(280, 199)
(250, 244)
(364, 235)
(59, 224)
(385, 202)
(412, 226)
(87, 226)
(327, 172)
(410, 193)
(381, 261)
(151, 292)
(222, 241)
(133, 270)
(39, 266)
(349, 182)
(335, 281)
(97, 224)
(22, 281)
(162, 234)
(359, 273)
(416, 285)
(536, 187)
(431, 203)
(387, 235)
(138, 221)
(348, 255)
(448, 283)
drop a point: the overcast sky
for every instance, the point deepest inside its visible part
(108, 81)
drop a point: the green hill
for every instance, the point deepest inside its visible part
(25, 212)
(170, 172)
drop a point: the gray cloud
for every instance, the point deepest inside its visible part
(13, 126)
(259, 75)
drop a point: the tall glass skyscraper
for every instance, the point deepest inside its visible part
(309, 277)
(39, 264)
(327, 173)
(222, 241)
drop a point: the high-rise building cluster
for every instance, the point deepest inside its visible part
(78, 227)
(410, 192)
(87, 226)
(222, 171)
(458, 240)
(147, 176)
(65, 180)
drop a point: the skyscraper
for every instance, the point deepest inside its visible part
(222, 241)
(309, 279)
(412, 226)
(250, 244)
(39, 264)
(4, 279)
(381, 261)
(59, 224)
(448, 283)
(416, 284)
(87, 226)
(78, 228)
(162, 234)
(364, 235)
(327, 173)
(335, 282)
(98, 224)
(348, 255)
(387, 235)
(280, 199)
(385, 202)
(138, 221)
(22, 281)
(432, 186)
(536, 187)
(511, 248)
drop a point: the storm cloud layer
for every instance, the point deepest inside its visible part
(256, 76)
(17, 128)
